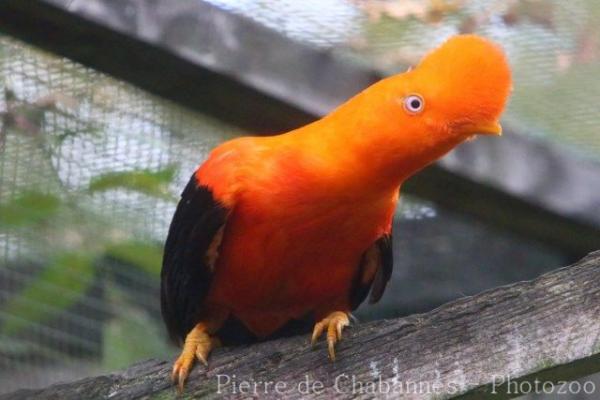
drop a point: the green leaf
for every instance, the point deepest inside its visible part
(153, 183)
(28, 208)
(142, 255)
(61, 284)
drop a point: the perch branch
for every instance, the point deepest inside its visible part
(547, 330)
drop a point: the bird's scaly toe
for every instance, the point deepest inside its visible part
(334, 323)
(198, 345)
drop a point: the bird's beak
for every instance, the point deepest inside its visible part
(486, 128)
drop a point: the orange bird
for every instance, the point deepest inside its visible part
(275, 230)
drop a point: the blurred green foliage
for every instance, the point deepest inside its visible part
(88, 171)
(141, 255)
(57, 287)
(28, 208)
(77, 243)
(153, 183)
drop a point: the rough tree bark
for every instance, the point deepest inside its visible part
(546, 330)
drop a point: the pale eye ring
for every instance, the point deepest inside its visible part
(414, 104)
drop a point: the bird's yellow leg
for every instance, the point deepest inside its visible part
(198, 344)
(334, 323)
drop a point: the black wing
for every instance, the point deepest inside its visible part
(187, 271)
(374, 272)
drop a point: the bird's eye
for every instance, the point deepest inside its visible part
(414, 104)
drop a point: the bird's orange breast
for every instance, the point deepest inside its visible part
(282, 258)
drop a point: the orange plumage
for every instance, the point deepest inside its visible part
(302, 209)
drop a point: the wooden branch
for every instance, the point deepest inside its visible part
(546, 330)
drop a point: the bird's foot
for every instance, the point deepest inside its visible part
(198, 344)
(334, 323)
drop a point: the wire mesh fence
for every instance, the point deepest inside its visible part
(554, 47)
(89, 172)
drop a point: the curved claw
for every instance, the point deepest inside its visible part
(181, 370)
(198, 345)
(317, 332)
(335, 323)
(332, 338)
(203, 349)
